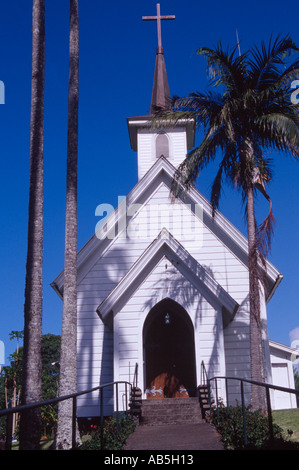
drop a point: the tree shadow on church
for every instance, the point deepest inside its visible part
(173, 285)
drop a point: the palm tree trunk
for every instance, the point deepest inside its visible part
(256, 352)
(30, 424)
(68, 357)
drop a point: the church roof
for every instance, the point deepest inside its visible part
(165, 245)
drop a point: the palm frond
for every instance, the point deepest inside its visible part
(224, 170)
(291, 73)
(264, 233)
(202, 107)
(280, 131)
(266, 63)
(216, 190)
(224, 68)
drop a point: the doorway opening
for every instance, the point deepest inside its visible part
(169, 352)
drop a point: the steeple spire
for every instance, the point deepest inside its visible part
(160, 92)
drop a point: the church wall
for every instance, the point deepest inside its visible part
(178, 146)
(237, 353)
(94, 359)
(145, 157)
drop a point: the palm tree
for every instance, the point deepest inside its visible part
(68, 357)
(16, 390)
(30, 423)
(252, 113)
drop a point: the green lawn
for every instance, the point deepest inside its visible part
(288, 419)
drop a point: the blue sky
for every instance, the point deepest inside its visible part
(117, 55)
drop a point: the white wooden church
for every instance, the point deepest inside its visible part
(165, 286)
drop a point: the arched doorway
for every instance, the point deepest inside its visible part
(169, 352)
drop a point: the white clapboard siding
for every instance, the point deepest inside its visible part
(145, 152)
(178, 146)
(147, 148)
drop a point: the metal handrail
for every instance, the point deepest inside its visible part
(19, 409)
(252, 382)
(135, 378)
(204, 374)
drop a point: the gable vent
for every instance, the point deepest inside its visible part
(162, 146)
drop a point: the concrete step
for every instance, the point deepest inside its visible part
(181, 436)
(170, 402)
(167, 420)
(171, 411)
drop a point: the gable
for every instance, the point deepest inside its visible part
(165, 246)
(113, 233)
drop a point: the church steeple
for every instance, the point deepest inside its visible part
(160, 91)
(174, 140)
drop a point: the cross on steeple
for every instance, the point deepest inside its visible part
(159, 18)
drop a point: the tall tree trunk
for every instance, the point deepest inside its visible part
(30, 423)
(68, 358)
(256, 351)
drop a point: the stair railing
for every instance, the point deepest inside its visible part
(8, 412)
(267, 388)
(204, 375)
(205, 381)
(135, 377)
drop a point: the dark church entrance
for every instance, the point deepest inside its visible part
(169, 351)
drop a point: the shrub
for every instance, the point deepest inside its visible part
(112, 440)
(230, 427)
